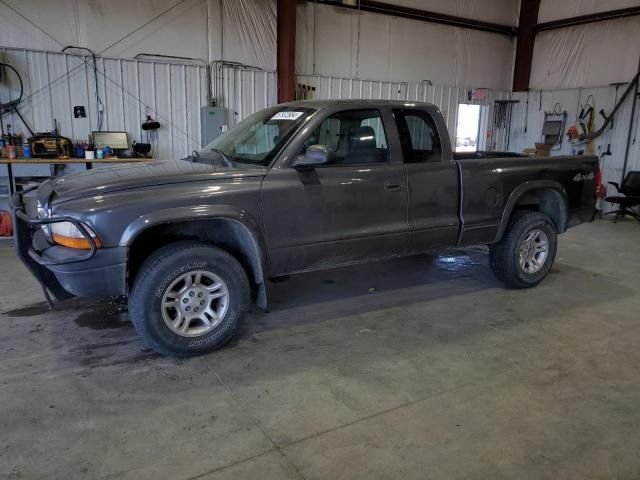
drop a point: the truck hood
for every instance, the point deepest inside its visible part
(135, 175)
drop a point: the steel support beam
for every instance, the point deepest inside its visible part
(526, 41)
(591, 18)
(286, 50)
(424, 15)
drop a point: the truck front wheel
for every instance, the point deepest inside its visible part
(188, 299)
(525, 254)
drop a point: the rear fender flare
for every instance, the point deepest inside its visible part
(523, 188)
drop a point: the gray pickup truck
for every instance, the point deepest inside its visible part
(296, 187)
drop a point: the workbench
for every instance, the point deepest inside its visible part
(11, 162)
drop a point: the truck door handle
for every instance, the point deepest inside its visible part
(393, 186)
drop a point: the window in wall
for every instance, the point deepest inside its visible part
(352, 137)
(467, 128)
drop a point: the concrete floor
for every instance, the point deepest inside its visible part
(418, 368)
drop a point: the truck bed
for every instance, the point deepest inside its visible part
(491, 186)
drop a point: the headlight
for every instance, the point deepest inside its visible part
(65, 233)
(68, 235)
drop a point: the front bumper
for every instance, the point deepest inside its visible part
(102, 275)
(67, 272)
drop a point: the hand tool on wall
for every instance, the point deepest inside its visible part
(603, 114)
(502, 113)
(586, 120)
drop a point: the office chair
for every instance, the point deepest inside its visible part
(631, 190)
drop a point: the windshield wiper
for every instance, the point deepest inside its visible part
(225, 160)
(196, 157)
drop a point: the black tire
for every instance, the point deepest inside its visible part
(504, 256)
(156, 276)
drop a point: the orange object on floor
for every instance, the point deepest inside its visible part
(6, 224)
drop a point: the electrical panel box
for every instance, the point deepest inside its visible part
(213, 123)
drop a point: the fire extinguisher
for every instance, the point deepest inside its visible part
(600, 188)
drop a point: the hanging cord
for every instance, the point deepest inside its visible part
(540, 100)
(593, 101)
(608, 151)
(526, 114)
(358, 40)
(11, 103)
(99, 104)
(15, 109)
(12, 106)
(635, 128)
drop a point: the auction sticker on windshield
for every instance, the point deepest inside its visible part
(286, 116)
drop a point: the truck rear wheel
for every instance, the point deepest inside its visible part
(188, 299)
(525, 254)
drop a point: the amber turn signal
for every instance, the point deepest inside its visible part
(70, 242)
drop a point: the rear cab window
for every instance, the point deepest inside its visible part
(418, 135)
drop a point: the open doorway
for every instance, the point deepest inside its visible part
(468, 128)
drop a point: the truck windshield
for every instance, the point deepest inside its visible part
(258, 138)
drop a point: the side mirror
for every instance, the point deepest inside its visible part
(314, 156)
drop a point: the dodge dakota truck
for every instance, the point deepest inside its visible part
(293, 188)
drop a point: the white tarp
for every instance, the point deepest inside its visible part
(335, 41)
(587, 55)
(237, 30)
(116, 28)
(553, 9)
(248, 33)
(495, 11)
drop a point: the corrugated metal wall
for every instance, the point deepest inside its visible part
(170, 93)
(447, 98)
(242, 90)
(571, 100)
